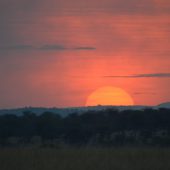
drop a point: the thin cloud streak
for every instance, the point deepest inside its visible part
(145, 93)
(151, 75)
(84, 48)
(47, 47)
(18, 47)
(53, 47)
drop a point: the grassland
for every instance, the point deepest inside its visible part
(85, 159)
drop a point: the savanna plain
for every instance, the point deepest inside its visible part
(124, 158)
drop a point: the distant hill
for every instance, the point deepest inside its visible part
(164, 105)
(66, 111)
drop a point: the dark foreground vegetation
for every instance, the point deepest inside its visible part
(84, 159)
(107, 128)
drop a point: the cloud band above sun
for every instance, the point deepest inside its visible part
(150, 75)
(47, 47)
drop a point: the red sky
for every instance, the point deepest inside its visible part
(57, 52)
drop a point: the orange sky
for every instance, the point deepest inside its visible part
(56, 53)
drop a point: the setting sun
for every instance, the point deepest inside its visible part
(109, 96)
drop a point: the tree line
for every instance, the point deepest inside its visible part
(110, 127)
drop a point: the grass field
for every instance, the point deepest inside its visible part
(85, 159)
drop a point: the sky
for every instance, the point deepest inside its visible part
(55, 53)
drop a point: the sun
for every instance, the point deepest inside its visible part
(109, 96)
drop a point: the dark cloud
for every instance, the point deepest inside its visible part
(62, 47)
(84, 48)
(17, 47)
(51, 47)
(152, 75)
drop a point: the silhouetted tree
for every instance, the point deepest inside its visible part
(105, 127)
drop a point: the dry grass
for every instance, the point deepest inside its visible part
(85, 159)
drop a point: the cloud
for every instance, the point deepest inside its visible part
(17, 47)
(144, 93)
(84, 48)
(62, 47)
(151, 75)
(51, 47)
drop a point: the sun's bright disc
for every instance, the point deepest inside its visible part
(109, 96)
